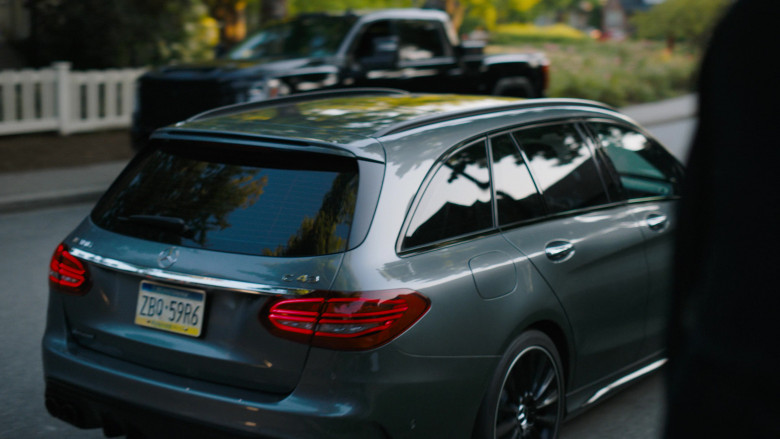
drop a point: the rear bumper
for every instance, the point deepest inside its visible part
(380, 394)
(87, 409)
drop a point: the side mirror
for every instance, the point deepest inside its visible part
(384, 55)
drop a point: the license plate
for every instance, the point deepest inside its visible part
(172, 309)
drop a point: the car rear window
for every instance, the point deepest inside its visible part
(250, 200)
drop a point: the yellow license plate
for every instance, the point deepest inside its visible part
(172, 309)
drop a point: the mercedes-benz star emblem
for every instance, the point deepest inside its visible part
(168, 257)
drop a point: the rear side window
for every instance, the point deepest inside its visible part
(644, 168)
(252, 200)
(457, 201)
(563, 167)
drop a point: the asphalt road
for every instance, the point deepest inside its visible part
(29, 238)
(676, 136)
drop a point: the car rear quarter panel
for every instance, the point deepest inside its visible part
(460, 321)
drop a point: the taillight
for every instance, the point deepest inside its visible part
(67, 274)
(345, 321)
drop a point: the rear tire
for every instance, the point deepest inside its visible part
(526, 395)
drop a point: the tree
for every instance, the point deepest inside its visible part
(231, 16)
(299, 6)
(273, 10)
(120, 33)
(487, 13)
(680, 20)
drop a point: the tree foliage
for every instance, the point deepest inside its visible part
(120, 33)
(301, 6)
(469, 14)
(681, 20)
(231, 17)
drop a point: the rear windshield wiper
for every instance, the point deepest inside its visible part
(167, 223)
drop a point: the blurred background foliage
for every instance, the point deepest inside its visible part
(675, 21)
(120, 33)
(655, 59)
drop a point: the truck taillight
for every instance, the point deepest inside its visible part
(67, 274)
(345, 321)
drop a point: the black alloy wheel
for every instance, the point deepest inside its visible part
(526, 398)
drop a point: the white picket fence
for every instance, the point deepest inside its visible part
(59, 99)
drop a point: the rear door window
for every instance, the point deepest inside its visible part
(563, 167)
(253, 200)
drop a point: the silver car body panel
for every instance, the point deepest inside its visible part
(603, 307)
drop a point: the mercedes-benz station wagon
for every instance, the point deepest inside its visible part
(366, 264)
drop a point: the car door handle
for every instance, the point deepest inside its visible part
(559, 251)
(656, 221)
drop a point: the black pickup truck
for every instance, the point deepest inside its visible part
(410, 49)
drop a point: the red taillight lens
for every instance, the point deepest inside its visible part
(67, 274)
(346, 321)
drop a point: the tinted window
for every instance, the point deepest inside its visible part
(420, 40)
(563, 167)
(304, 36)
(370, 38)
(644, 168)
(457, 201)
(516, 195)
(243, 201)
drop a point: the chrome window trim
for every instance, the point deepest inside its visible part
(186, 279)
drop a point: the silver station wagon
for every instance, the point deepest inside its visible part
(366, 264)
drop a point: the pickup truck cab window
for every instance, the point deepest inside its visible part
(421, 40)
(392, 43)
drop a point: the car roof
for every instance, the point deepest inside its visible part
(352, 120)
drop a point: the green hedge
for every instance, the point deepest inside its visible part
(617, 73)
(521, 33)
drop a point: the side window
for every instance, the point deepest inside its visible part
(372, 36)
(644, 168)
(420, 40)
(516, 194)
(456, 202)
(563, 167)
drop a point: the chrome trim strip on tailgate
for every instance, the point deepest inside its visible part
(188, 279)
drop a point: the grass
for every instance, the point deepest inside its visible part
(617, 73)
